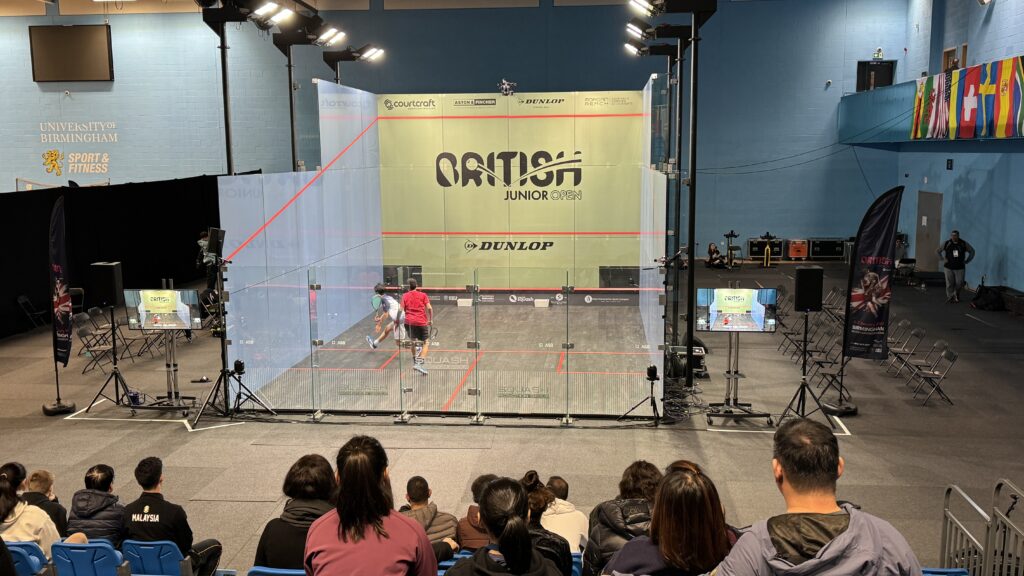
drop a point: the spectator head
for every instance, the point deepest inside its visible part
(40, 481)
(364, 488)
(150, 473)
(639, 480)
(413, 284)
(100, 477)
(687, 522)
(559, 487)
(806, 458)
(417, 491)
(684, 466)
(538, 496)
(310, 478)
(955, 234)
(477, 488)
(379, 288)
(503, 509)
(12, 476)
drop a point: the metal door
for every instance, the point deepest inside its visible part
(929, 230)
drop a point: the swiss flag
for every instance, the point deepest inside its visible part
(970, 103)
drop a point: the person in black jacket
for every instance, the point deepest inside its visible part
(550, 545)
(504, 508)
(615, 522)
(689, 535)
(40, 493)
(95, 511)
(311, 490)
(151, 518)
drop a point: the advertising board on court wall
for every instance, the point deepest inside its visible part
(534, 190)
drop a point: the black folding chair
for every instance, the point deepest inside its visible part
(37, 317)
(934, 378)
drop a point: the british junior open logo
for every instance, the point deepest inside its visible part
(542, 175)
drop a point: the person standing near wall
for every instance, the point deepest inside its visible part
(956, 253)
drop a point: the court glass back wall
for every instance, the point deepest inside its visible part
(653, 188)
(306, 252)
(514, 185)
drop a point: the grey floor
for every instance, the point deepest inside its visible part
(900, 455)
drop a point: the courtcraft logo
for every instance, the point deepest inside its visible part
(425, 104)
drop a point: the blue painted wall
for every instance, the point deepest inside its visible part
(982, 198)
(768, 124)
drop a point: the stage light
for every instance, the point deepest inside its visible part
(635, 47)
(334, 39)
(327, 36)
(644, 7)
(638, 29)
(370, 53)
(266, 10)
(282, 15)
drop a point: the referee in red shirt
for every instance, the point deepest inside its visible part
(418, 317)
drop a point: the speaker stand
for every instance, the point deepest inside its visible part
(798, 405)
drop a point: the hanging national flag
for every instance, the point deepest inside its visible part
(956, 97)
(865, 331)
(927, 92)
(969, 101)
(920, 104)
(1005, 118)
(61, 300)
(1020, 96)
(987, 90)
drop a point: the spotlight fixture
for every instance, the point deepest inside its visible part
(644, 7)
(370, 52)
(637, 48)
(638, 29)
(266, 10)
(651, 8)
(329, 36)
(281, 15)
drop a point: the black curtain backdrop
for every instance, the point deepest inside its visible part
(150, 227)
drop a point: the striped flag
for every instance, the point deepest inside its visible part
(968, 97)
(987, 91)
(1020, 96)
(956, 98)
(920, 107)
(1006, 98)
(938, 120)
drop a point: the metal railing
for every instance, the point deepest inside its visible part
(995, 546)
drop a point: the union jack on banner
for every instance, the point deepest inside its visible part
(871, 295)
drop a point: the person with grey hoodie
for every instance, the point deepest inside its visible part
(95, 511)
(816, 535)
(438, 525)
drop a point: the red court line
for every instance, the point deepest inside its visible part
(462, 382)
(300, 192)
(512, 116)
(385, 364)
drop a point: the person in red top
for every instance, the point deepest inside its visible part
(364, 536)
(418, 317)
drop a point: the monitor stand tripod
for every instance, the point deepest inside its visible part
(798, 405)
(732, 408)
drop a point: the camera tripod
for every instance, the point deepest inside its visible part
(218, 399)
(652, 377)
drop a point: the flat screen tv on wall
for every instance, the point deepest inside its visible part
(79, 53)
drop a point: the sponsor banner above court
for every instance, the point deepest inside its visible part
(546, 180)
(624, 297)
